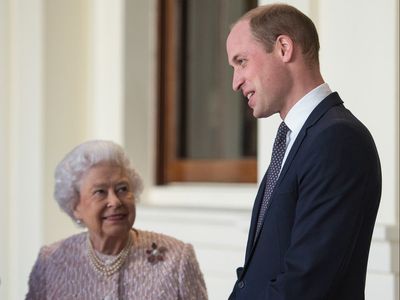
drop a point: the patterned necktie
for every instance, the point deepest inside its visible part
(278, 152)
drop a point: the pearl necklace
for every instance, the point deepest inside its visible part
(106, 268)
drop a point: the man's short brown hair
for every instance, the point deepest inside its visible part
(267, 22)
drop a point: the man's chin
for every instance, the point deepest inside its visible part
(259, 115)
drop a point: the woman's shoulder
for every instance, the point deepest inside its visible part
(149, 237)
(70, 245)
(159, 246)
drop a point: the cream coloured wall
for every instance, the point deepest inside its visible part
(83, 87)
(75, 70)
(66, 77)
(21, 138)
(4, 150)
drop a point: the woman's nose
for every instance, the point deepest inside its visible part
(113, 200)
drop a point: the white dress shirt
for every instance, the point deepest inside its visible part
(300, 112)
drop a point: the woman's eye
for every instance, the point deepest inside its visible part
(122, 189)
(99, 192)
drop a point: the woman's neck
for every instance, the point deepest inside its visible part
(109, 245)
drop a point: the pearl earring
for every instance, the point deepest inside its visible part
(78, 221)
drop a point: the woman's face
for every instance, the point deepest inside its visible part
(106, 203)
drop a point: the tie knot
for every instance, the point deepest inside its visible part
(282, 131)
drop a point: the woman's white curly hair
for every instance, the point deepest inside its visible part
(70, 170)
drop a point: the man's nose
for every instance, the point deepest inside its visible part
(237, 81)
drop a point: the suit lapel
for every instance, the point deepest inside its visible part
(330, 101)
(254, 216)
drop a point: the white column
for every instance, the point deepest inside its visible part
(25, 142)
(105, 105)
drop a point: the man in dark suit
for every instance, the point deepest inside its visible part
(315, 210)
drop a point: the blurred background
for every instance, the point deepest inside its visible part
(153, 76)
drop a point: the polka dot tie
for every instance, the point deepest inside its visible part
(278, 152)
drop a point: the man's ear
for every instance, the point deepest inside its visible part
(285, 47)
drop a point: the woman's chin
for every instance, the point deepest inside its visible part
(116, 229)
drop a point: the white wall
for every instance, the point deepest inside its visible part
(69, 71)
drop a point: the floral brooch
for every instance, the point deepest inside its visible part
(155, 254)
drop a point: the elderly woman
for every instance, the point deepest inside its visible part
(96, 186)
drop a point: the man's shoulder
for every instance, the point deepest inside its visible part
(339, 120)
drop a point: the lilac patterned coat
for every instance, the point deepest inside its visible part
(158, 267)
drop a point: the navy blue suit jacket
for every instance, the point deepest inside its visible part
(316, 234)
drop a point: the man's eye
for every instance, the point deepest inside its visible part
(240, 61)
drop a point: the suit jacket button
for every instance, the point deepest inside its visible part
(240, 284)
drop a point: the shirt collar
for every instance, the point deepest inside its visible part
(299, 113)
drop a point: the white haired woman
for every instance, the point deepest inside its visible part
(97, 187)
